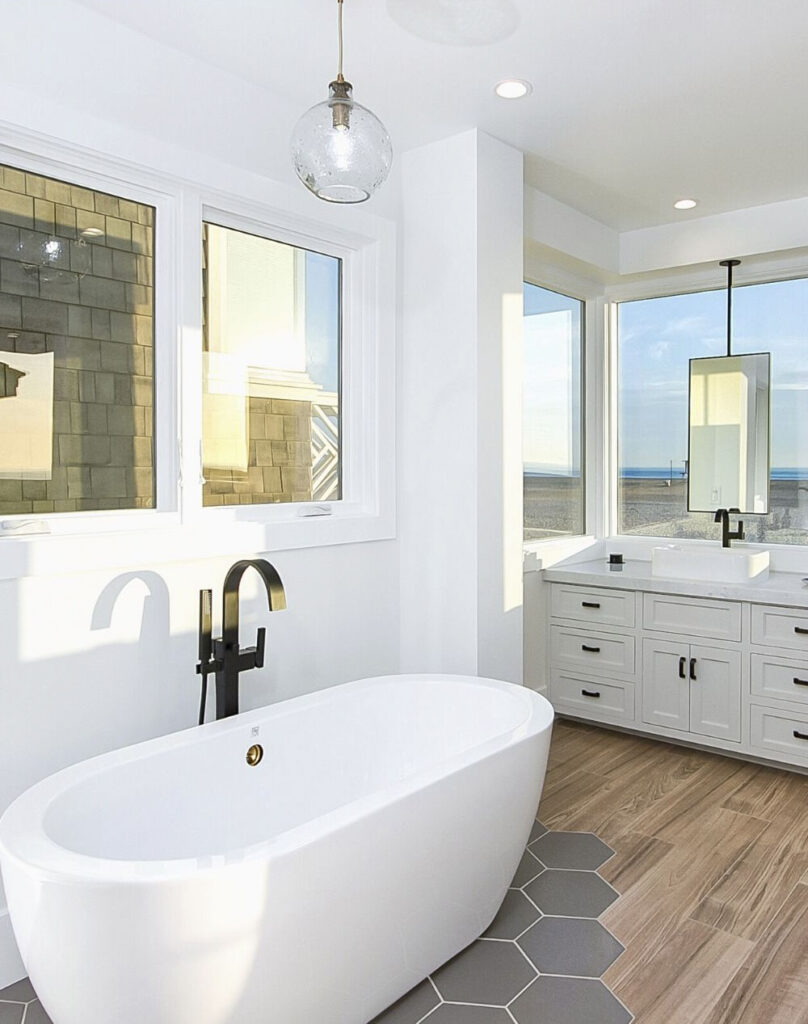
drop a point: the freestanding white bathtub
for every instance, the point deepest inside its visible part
(173, 883)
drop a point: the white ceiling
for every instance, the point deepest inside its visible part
(635, 104)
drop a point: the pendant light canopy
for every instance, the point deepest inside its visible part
(729, 264)
(341, 150)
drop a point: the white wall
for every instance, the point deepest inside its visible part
(460, 509)
(95, 660)
(500, 309)
(437, 430)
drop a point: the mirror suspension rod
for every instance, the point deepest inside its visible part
(729, 264)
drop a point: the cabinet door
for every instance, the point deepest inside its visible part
(665, 694)
(715, 692)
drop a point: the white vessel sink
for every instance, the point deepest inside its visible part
(727, 565)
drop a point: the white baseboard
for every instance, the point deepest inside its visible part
(11, 968)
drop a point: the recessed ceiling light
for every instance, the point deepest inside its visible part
(685, 204)
(513, 89)
(92, 233)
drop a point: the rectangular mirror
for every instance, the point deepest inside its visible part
(729, 434)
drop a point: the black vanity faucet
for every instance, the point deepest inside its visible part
(722, 516)
(224, 656)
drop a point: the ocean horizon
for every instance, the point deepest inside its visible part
(659, 473)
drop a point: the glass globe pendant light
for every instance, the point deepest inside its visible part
(341, 150)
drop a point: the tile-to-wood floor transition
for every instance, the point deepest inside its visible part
(711, 868)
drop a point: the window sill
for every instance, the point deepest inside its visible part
(540, 554)
(50, 554)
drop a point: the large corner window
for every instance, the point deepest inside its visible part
(656, 339)
(553, 424)
(76, 348)
(271, 371)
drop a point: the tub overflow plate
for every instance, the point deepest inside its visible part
(255, 754)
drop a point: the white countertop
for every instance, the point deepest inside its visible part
(784, 588)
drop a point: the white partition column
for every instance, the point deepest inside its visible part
(460, 483)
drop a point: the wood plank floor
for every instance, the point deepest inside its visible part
(711, 861)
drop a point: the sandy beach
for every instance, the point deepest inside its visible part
(658, 508)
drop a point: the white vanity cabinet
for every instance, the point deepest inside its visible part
(692, 688)
(778, 683)
(728, 671)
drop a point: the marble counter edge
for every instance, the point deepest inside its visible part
(778, 589)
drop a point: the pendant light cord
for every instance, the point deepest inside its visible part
(340, 77)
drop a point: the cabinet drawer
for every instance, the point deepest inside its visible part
(775, 733)
(780, 627)
(610, 653)
(720, 620)
(593, 604)
(613, 700)
(779, 678)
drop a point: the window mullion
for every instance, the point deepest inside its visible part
(189, 345)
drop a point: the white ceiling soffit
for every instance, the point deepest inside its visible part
(634, 105)
(457, 22)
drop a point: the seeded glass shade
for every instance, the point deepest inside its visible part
(341, 150)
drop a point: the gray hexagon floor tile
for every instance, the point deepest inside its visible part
(571, 893)
(488, 971)
(36, 1015)
(455, 1013)
(568, 1001)
(529, 867)
(19, 992)
(515, 915)
(11, 1013)
(570, 945)
(580, 850)
(537, 831)
(410, 1008)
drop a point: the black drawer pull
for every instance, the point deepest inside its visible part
(800, 682)
(801, 629)
(590, 604)
(596, 693)
(800, 735)
(591, 650)
(693, 669)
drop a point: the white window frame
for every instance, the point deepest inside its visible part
(96, 177)
(179, 528)
(546, 274)
(359, 494)
(764, 269)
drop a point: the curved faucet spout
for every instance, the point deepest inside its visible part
(276, 596)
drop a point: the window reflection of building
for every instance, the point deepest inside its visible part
(26, 416)
(270, 431)
(9, 380)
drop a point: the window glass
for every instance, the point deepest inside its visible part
(656, 340)
(552, 419)
(76, 348)
(271, 389)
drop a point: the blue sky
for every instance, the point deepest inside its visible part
(657, 338)
(551, 438)
(322, 319)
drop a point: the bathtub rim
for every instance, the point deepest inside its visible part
(24, 842)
